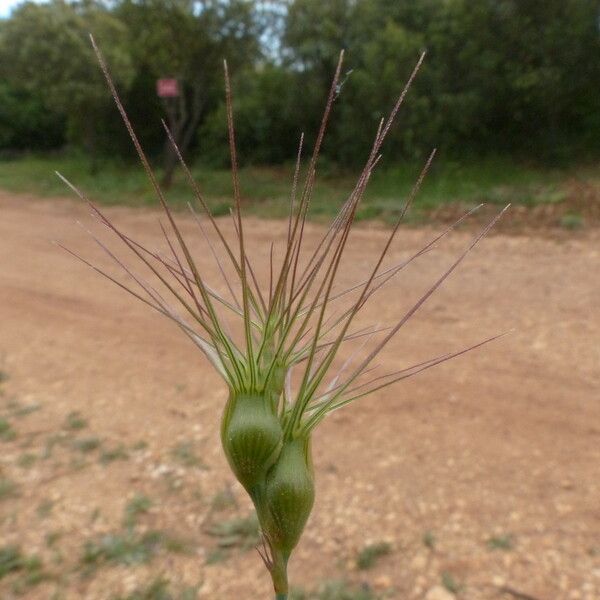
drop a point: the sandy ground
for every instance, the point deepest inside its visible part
(483, 474)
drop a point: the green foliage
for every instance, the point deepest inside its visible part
(57, 62)
(44, 508)
(138, 505)
(267, 189)
(30, 568)
(335, 590)
(26, 121)
(18, 409)
(86, 445)
(111, 454)
(500, 77)
(10, 560)
(138, 446)
(429, 540)
(500, 542)
(510, 76)
(370, 554)
(52, 537)
(75, 421)
(223, 500)
(268, 119)
(129, 548)
(7, 433)
(572, 221)
(216, 555)
(159, 589)
(26, 460)
(450, 583)
(184, 453)
(8, 488)
(241, 532)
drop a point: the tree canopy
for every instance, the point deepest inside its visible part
(515, 77)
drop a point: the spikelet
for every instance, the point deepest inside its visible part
(252, 436)
(290, 494)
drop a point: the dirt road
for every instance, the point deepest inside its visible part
(483, 474)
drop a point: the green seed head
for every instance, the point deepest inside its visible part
(251, 435)
(290, 494)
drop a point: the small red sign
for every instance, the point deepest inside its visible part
(167, 88)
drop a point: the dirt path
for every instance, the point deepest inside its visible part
(482, 474)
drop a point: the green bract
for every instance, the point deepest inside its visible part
(289, 495)
(252, 438)
(279, 369)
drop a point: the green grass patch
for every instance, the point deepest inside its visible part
(266, 189)
(572, 221)
(8, 488)
(27, 460)
(223, 500)
(11, 560)
(240, 532)
(111, 454)
(17, 409)
(44, 508)
(450, 583)
(185, 454)
(160, 589)
(138, 505)
(29, 568)
(52, 441)
(75, 421)
(336, 590)
(139, 446)
(216, 555)
(86, 445)
(52, 537)
(7, 433)
(429, 540)
(500, 542)
(369, 555)
(130, 548)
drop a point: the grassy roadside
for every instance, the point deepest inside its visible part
(266, 189)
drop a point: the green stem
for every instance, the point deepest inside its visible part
(279, 575)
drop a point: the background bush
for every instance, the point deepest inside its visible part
(502, 77)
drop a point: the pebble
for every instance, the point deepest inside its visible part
(439, 593)
(419, 562)
(382, 583)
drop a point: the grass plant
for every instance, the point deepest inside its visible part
(130, 548)
(501, 542)
(241, 532)
(29, 568)
(336, 590)
(494, 180)
(370, 554)
(280, 369)
(7, 433)
(75, 421)
(8, 488)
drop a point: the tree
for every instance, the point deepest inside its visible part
(188, 40)
(27, 122)
(45, 49)
(501, 76)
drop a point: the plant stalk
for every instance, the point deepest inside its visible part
(279, 575)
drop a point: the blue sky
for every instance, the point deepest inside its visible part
(6, 5)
